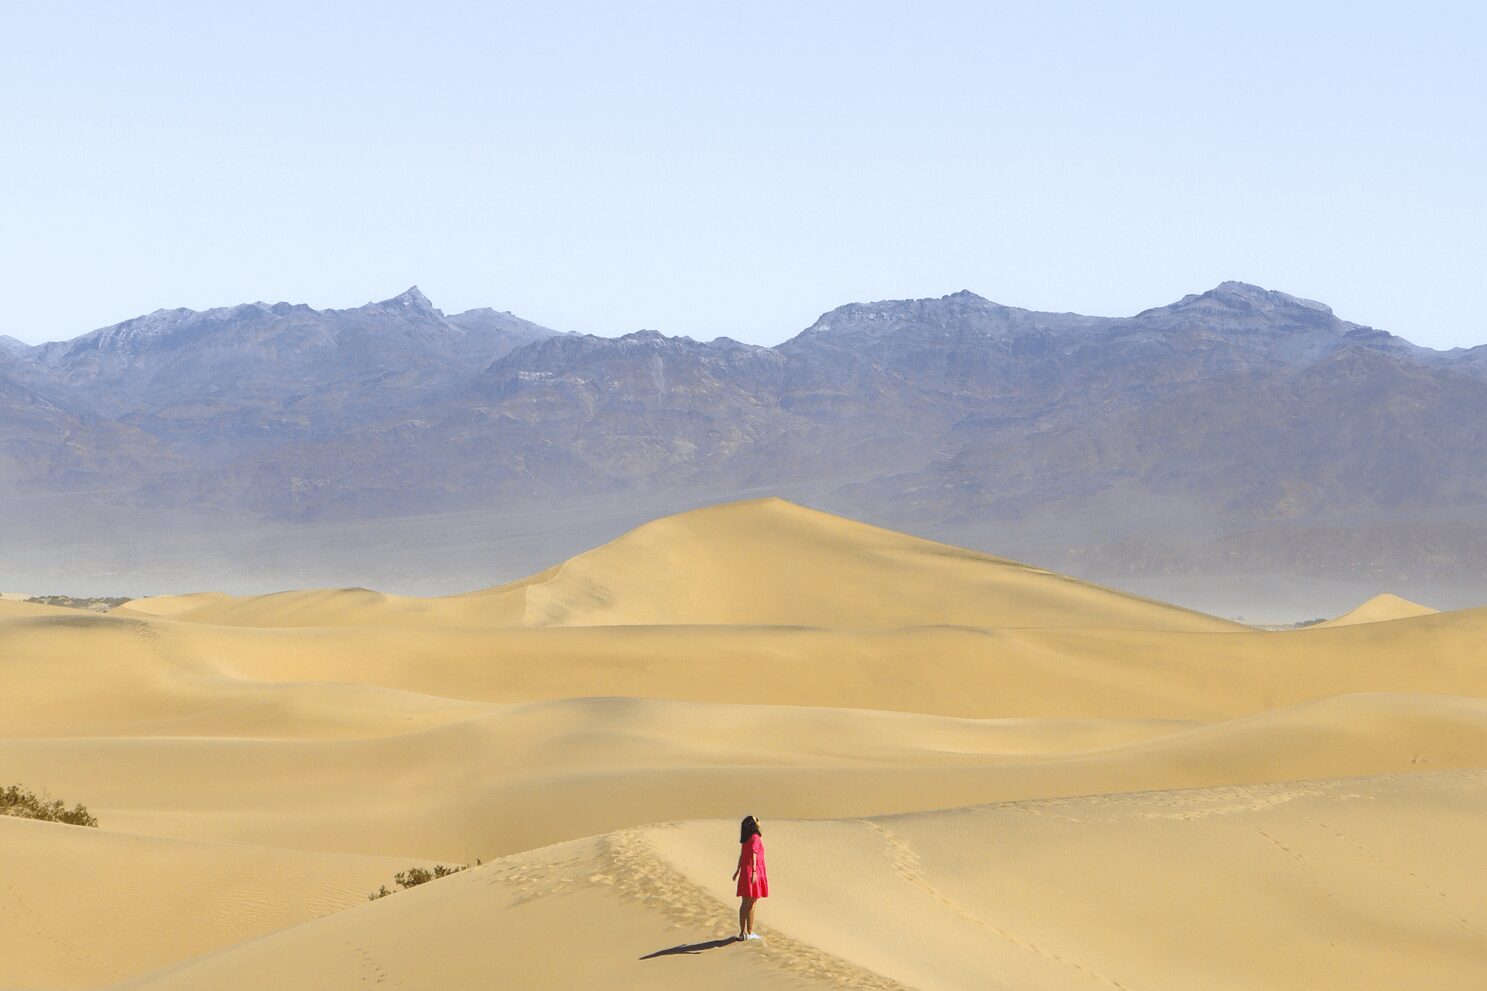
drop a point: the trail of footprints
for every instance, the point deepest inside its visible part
(1380, 863)
(369, 967)
(627, 862)
(641, 874)
(907, 864)
(18, 913)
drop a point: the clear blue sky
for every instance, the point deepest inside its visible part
(736, 169)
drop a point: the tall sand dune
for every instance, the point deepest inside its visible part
(765, 562)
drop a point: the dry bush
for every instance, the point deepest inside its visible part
(415, 876)
(16, 800)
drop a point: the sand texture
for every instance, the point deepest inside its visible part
(973, 774)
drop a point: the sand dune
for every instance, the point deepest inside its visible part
(262, 762)
(765, 562)
(1380, 609)
(1170, 889)
(84, 907)
(525, 776)
(71, 673)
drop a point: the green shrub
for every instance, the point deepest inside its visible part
(26, 804)
(415, 876)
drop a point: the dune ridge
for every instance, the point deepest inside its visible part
(977, 895)
(760, 562)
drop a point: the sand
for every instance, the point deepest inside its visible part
(1380, 609)
(83, 906)
(973, 773)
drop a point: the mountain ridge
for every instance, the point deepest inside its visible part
(1151, 441)
(414, 300)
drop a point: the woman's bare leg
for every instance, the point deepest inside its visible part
(750, 920)
(745, 903)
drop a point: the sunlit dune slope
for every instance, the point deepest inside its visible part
(330, 607)
(765, 562)
(84, 907)
(175, 606)
(70, 673)
(1364, 884)
(1379, 609)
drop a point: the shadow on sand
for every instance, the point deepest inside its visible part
(672, 951)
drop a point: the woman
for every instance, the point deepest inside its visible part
(753, 882)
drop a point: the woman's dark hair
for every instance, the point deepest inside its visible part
(749, 827)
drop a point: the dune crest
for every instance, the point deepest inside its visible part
(760, 562)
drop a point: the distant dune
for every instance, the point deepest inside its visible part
(973, 773)
(1380, 609)
(763, 562)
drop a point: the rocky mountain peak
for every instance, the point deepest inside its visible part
(411, 301)
(1246, 297)
(9, 345)
(877, 319)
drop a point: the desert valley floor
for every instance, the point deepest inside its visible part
(971, 773)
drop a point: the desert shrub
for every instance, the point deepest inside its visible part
(415, 876)
(16, 800)
(96, 603)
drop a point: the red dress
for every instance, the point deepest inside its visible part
(753, 882)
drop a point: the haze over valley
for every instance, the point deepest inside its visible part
(1241, 450)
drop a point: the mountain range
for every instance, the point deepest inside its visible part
(1239, 434)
